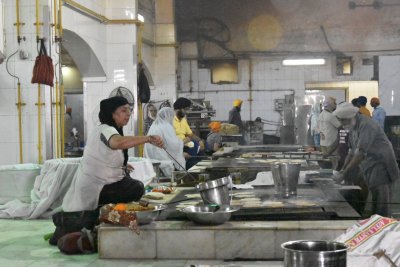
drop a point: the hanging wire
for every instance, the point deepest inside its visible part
(16, 77)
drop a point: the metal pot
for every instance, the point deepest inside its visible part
(215, 192)
(304, 253)
(286, 178)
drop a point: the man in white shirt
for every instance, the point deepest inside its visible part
(328, 126)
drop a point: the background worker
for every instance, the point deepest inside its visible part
(379, 114)
(371, 150)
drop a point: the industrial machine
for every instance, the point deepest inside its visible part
(200, 116)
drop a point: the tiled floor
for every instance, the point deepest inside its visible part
(22, 244)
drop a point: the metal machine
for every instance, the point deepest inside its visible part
(200, 116)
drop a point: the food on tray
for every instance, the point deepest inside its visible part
(251, 155)
(273, 204)
(154, 195)
(302, 202)
(137, 207)
(250, 199)
(163, 189)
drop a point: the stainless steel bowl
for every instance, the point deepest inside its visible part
(210, 214)
(146, 217)
(304, 253)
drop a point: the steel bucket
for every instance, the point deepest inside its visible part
(215, 192)
(286, 178)
(304, 253)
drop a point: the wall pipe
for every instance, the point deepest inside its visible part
(94, 15)
(61, 83)
(241, 90)
(140, 61)
(39, 103)
(250, 88)
(19, 103)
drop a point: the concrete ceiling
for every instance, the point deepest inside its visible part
(292, 25)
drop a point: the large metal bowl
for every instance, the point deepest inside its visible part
(210, 214)
(146, 217)
(303, 253)
(215, 191)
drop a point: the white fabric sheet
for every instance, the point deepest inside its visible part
(48, 191)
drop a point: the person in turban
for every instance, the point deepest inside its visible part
(328, 126)
(234, 114)
(372, 152)
(214, 139)
(379, 114)
(362, 102)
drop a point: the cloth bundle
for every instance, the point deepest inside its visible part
(367, 237)
(229, 129)
(43, 71)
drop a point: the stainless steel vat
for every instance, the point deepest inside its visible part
(215, 192)
(286, 178)
(304, 253)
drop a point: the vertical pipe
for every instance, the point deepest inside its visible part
(20, 104)
(18, 22)
(60, 29)
(61, 95)
(250, 88)
(55, 19)
(62, 115)
(56, 105)
(140, 108)
(39, 105)
(37, 21)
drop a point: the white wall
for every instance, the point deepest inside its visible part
(269, 76)
(389, 84)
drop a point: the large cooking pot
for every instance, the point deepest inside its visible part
(304, 253)
(286, 178)
(215, 192)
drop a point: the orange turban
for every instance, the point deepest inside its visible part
(375, 100)
(215, 126)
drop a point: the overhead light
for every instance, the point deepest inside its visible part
(140, 17)
(303, 61)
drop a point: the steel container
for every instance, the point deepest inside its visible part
(147, 216)
(286, 178)
(215, 191)
(304, 253)
(210, 215)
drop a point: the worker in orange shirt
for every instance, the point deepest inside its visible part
(362, 101)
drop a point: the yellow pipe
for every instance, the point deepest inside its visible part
(39, 105)
(18, 22)
(140, 108)
(37, 21)
(98, 16)
(57, 104)
(19, 105)
(60, 28)
(62, 107)
(55, 19)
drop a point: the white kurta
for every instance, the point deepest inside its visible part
(328, 126)
(100, 166)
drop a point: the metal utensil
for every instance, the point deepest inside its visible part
(205, 214)
(188, 173)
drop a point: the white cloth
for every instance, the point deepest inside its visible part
(143, 170)
(328, 126)
(163, 126)
(100, 166)
(48, 191)
(367, 237)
